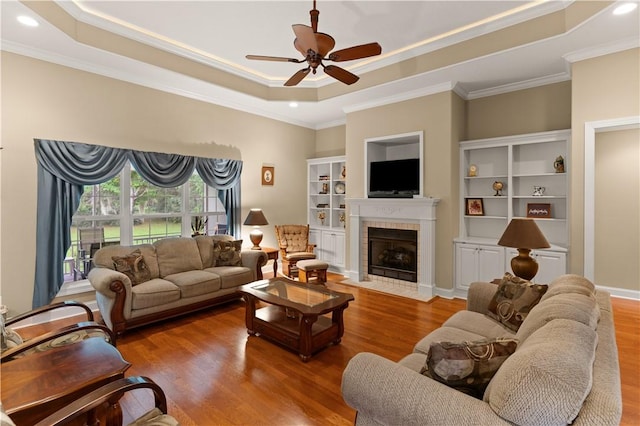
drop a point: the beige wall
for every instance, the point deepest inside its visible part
(525, 111)
(43, 100)
(603, 88)
(617, 209)
(331, 141)
(432, 115)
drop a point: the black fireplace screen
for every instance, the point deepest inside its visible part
(393, 253)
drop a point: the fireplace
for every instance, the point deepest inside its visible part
(393, 253)
(418, 215)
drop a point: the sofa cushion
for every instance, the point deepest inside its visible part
(467, 366)
(133, 266)
(575, 307)
(445, 334)
(513, 300)
(569, 284)
(195, 283)
(205, 247)
(548, 378)
(177, 255)
(232, 276)
(478, 323)
(227, 253)
(154, 292)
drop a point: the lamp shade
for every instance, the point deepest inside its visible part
(523, 233)
(256, 218)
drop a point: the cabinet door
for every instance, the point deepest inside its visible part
(466, 265)
(490, 263)
(551, 264)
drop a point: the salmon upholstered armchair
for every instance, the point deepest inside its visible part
(293, 243)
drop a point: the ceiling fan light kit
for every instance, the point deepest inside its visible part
(315, 47)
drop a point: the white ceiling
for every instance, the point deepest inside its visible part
(221, 33)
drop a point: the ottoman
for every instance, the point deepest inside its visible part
(312, 268)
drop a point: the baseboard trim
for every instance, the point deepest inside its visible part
(621, 292)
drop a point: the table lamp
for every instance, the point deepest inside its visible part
(256, 219)
(524, 235)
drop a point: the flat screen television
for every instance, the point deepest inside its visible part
(394, 178)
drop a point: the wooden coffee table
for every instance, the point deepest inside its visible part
(295, 314)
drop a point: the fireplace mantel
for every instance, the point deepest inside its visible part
(400, 210)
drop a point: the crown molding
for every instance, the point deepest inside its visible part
(603, 49)
(520, 85)
(399, 97)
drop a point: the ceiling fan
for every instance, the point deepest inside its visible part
(315, 46)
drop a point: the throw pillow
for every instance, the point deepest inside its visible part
(513, 300)
(133, 266)
(227, 253)
(469, 366)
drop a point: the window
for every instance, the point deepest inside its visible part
(128, 210)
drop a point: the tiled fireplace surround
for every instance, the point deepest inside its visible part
(417, 214)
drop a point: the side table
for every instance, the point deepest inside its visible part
(38, 384)
(272, 254)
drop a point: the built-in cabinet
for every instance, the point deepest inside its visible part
(326, 209)
(505, 178)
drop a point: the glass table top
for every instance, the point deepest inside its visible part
(295, 293)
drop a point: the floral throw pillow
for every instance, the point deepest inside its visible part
(227, 253)
(514, 300)
(467, 366)
(133, 266)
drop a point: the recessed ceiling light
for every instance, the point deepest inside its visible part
(624, 8)
(293, 104)
(28, 21)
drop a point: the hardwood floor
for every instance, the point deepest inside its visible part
(214, 373)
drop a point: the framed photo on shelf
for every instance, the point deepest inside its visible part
(540, 210)
(267, 175)
(474, 207)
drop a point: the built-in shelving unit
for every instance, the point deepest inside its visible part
(520, 163)
(326, 208)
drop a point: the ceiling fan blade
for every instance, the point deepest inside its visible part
(297, 77)
(356, 52)
(305, 38)
(272, 58)
(341, 74)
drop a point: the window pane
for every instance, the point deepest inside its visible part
(149, 199)
(147, 230)
(100, 200)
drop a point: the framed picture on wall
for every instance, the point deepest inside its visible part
(267, 175)
(475, 207)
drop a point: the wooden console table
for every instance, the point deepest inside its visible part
(38, 384)
(272, 254)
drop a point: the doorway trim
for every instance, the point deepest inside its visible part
(590, 130)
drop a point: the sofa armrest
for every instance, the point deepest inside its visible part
(385, 392)
(254, 260)
(479, 296)
(113, 295)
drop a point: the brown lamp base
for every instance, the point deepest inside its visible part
(523, 265)
(256, 238)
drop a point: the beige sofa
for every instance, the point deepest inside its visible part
(565, 368)
(170, 277)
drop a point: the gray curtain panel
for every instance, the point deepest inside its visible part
(65, 167)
